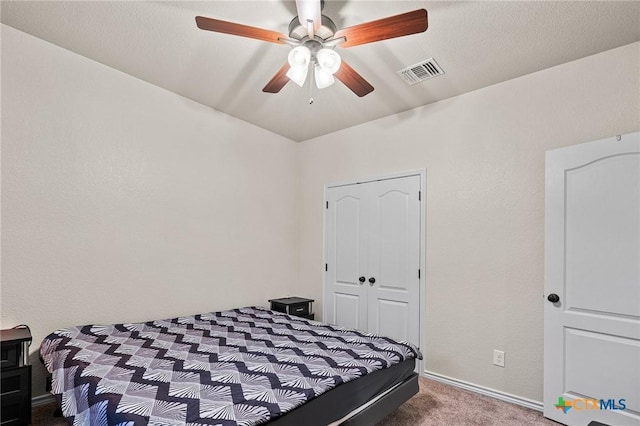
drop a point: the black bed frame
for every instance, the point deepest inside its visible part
(389, 388)
(385, 405)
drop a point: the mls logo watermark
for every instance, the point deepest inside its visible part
(583, 404)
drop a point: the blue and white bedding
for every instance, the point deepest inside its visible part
(238, 367)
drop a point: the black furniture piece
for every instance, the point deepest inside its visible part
(15, 390)
(297, 306)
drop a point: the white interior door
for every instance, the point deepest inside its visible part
(592, 265)
(394, 258)
(373, 257)
(345, 300)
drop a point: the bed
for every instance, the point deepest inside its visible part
(245, 366)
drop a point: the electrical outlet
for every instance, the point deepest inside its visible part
(498, 358)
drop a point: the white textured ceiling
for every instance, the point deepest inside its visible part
(476, 43)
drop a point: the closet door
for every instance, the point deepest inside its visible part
(347, 248)
(394, 258)
(373, 257)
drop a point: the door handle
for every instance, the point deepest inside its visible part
(372, 281)
(361, 279)
(553, 298)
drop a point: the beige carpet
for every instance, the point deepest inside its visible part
(436, 404)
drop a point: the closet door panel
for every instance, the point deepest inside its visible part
(390, 245)
(347, 239)
(392, 319)
(347, 311)
(347, 256)
(394, 250)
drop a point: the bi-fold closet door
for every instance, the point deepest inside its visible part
(372, 266)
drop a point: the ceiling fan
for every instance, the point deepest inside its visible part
(314, 38)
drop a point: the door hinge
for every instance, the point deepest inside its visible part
(418, 273)
(419, 195)
(326, 267)
(327, 204)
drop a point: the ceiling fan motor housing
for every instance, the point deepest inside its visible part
(326, 30)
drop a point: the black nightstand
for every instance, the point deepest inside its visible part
(297, 306)
(15, 391)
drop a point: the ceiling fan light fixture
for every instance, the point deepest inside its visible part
(323, 78)
(329, 60)
(298, 75)
(299, 57)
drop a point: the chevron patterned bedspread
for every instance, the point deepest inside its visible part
(239, 367)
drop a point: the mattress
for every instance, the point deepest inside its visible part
(244, 366)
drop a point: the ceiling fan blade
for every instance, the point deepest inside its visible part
(385, 28)
(309, 10)
(218, 26)
(278, 81)
(354, 81)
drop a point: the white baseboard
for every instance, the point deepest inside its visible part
(47, 398)
(518, 400)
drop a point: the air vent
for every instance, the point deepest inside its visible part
(421, 71)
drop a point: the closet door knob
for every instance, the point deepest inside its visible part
(553, 298)
(361, 279)
(372, 281)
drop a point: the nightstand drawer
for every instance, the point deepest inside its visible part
(15, 411)
(15, 377)
(9, 354)
(15, 383)
(14, 347)
(299, 309)
(297, 306)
